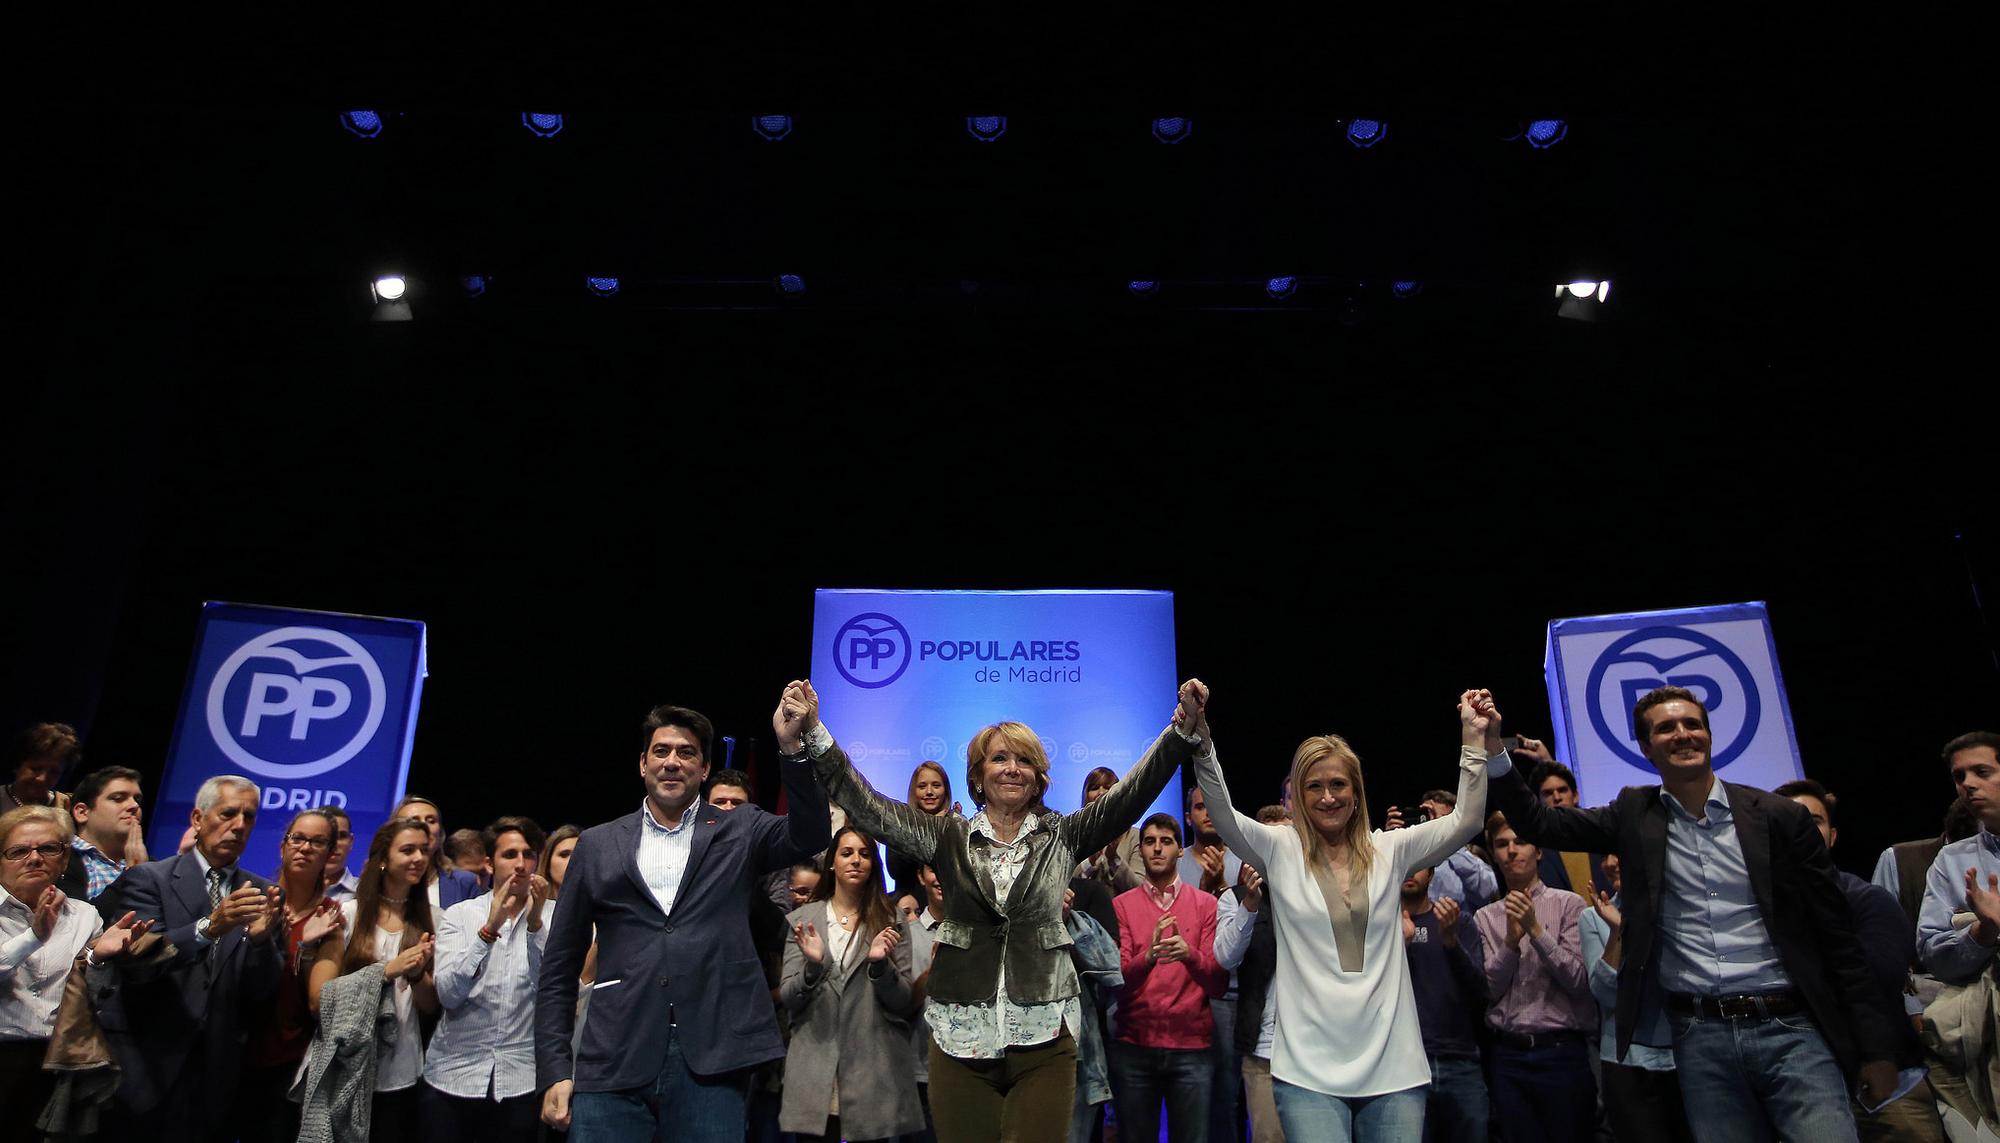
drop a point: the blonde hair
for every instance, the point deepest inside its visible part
(21, 815)
(1360, 849)
(1023, 741)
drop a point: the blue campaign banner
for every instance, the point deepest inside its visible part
(905, 676)
(315, 707)
(1599, 666)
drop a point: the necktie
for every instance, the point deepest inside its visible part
(215, 879)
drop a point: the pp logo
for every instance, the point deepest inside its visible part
(857, 752)
(871, 650)
(1079, 753)
(267, 723)
(1049, 750)
(1673, 656)
(933, 748)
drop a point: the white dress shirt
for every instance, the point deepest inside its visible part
(663, 853)
(33, 972)
(485, 1045)
(1234, 925)
(399, 1063)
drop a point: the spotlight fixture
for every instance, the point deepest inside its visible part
(986, 128)
(772, 127)
(542, 124)
(1143, 287)
(473, 284)
(1281, 288)
(366, 124)
(1366, 133)
(389, 288)
(602, 287)
(1545, 133)
(1172, 130)
(1405, 289)
(791, 285)
(1579, 300)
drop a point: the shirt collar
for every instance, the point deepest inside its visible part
(980, 825)
(1715, 807)
(228, 871)
(1164, 898)
(928, 919)
(1988, 840)
(687, 816)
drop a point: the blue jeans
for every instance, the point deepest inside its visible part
(1544, 1092)
(1456, 1109)
(1309, 1116)
(1228, 1075)
(680, 1106)
(1757, 1080)
(1142, 1077)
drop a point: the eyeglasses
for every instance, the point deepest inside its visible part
(19, 853)
(306, 841)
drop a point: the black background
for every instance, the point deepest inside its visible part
(1362, 504)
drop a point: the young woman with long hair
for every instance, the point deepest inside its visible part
(279, 1038)
(930, 793)
(393, 936)
(1347, 1060)
(1116, 866)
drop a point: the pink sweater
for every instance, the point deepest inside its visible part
(1166, 1005)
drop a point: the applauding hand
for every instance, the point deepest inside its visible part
(1446, 911)
(117, 940)
(809, 941)
(884, 941)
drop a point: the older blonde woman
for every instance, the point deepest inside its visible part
(1003, 996)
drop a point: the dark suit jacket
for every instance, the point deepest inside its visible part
(199, 1006)
(1791, 876)
(455, 885)
(700, 963)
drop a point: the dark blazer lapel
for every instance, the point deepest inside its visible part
(190, 887)
(705, 824)
(629, 832)
(1653, 844)
(1753, 832)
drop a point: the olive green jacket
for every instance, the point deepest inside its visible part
(979, 936)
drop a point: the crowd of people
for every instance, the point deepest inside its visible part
(1495, 962)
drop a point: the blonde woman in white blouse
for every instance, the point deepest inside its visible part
(1347, 1057)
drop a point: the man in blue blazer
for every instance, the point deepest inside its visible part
(680, 1012)
(178, 1035)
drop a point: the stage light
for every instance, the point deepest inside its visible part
(791, 285)
(602, 287)
(1143, 287)
(1582, 289)
(1366, 132)
(772, 127)
(1172, 130)
(542, 124)
(1405, 289)
(1545, 133)
(473, 285)
(986, 128)
(1579, 300)
(389, 288)
(367, 124)
(1281, 287)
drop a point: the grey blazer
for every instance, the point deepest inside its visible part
(852, 1023)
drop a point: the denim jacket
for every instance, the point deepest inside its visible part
(1096, 956)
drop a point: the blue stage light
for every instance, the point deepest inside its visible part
(1406, 289)
(986, 128)
(1545, 133)
(367, 124)
(1281, 287)
(473, 285)
(1366, 132)
(772, 127)
(791, 284)
(542, 124)
(602, 287)
(1172, 130)
(1142, 287)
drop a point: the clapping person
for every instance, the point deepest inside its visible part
(479, 1073)
(110, 837)
(1347, 1059)
(1117, 865)
(1642, 1093)
(847, 984)
(1004, 1001)
(41, 932)
(284, 1028)
(1450, 990)
(390, 938)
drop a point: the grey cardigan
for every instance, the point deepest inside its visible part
(357, 1014)
(980, 936)
(850, 1021)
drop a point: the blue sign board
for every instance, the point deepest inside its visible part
(909, 676)
(315, 707)
(1598, 667)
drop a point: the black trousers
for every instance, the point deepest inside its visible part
(1645, 1106)
(264, 1113)
(24, 1088)
(444, 1116)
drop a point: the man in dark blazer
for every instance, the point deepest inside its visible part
(679, 1013)
(1729, 885)
(178, 1035)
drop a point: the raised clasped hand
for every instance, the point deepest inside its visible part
(797, 714)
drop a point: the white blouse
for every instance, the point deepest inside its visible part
(398, 1065)
(1341, 1033)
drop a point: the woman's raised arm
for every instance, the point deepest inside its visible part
(887, 820)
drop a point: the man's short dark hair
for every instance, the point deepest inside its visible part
(1970, 741)
(339, 812)
(529, 831)
(736, 778)
(91, 786)
(1543, 771)
(1807, 788)
(1442, 797)
(1654, 698)
(692, 721)
(467, 843)
(1165, 822)
(1274, 815)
